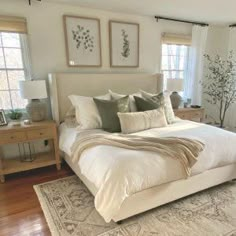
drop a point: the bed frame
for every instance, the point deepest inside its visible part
(63, 84)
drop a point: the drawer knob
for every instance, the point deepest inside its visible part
(12, 137)
(41, 133)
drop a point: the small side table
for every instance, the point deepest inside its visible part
(194, 114)
(45, 130)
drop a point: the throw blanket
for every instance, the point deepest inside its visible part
(184, 149)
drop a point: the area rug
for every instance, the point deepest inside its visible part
(69, 210)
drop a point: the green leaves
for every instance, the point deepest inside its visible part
(15, 115)
(220, 84)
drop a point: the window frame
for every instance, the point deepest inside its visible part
(26, 66)
(185, 70)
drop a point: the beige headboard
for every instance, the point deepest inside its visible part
(64, 84)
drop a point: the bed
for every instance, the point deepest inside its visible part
(207, 173)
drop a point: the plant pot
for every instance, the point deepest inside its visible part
(15, 122)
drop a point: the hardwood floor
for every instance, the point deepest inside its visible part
(20, 211)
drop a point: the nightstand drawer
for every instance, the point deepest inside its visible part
(12, 137)
(40, 133)
(196, 114)
(184, 116)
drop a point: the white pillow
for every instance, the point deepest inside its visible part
(170, 116)
(132, 103)
(86, 111)
(136, 121)
(70, 118)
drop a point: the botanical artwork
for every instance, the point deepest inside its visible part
(124, 44)
(82, 41)
(83, 38)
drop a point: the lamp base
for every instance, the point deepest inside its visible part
(37, 110)
(175, 100)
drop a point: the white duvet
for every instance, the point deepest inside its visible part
(118, 173)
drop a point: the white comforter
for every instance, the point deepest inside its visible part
(118, 173)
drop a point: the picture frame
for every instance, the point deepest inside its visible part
(124, 44)
(83, 41)
(3, 120)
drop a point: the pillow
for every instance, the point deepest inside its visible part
(108, 112)
(146, 104)
(86, 111)
(132, 103)
(70, 119)
(170, 116)
(136, 121)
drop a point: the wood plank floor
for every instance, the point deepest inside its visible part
(20, 211)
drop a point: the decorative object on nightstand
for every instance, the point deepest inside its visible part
(15, 117)
(194, 114)
(175, 85)
(34, 90)
(45, 130)
(3, 120)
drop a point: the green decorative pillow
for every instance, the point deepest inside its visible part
(108, 111)
(147, 104)
(162, 98)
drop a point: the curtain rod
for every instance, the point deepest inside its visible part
(233, 25)
(183, 21)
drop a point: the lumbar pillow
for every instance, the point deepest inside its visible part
(136, 121)
(160, 98)
(108, 111)
(86, 111)
(132, 103)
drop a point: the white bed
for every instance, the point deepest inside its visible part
(213, 172)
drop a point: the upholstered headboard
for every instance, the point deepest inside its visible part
(64, 84)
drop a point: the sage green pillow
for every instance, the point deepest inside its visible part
(147, 104)
(108, 111)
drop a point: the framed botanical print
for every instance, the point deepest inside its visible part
(83, 41)
(124, 44)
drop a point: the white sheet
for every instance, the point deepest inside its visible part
(66, 138)
(118, 173)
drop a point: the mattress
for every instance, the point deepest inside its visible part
(118, 173)
(67, 137)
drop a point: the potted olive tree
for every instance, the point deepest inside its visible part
(219, 86)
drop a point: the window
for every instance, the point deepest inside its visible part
(175, 54)
(14, 63)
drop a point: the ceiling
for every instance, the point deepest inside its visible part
(210, 11)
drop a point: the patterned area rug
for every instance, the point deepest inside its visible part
(69, 210)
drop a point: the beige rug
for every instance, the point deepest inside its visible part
(69, 210)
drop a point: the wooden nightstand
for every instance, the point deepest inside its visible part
(194, 114)
(45, 130)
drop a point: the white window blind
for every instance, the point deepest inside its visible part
(176, 39)
(14, 61)
(13, 24)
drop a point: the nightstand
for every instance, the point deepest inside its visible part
(45, 130)
(194, 114)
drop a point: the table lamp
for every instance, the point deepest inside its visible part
(175, 85)
(34, 90)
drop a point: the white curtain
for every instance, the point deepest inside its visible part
(194, 77)
(26, 56)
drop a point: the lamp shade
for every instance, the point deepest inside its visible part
(175, 85)
(33, 89)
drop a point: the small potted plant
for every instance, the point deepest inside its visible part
(15, 116)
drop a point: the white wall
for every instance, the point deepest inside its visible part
(47, 45)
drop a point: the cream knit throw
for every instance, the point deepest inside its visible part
(184, 149)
